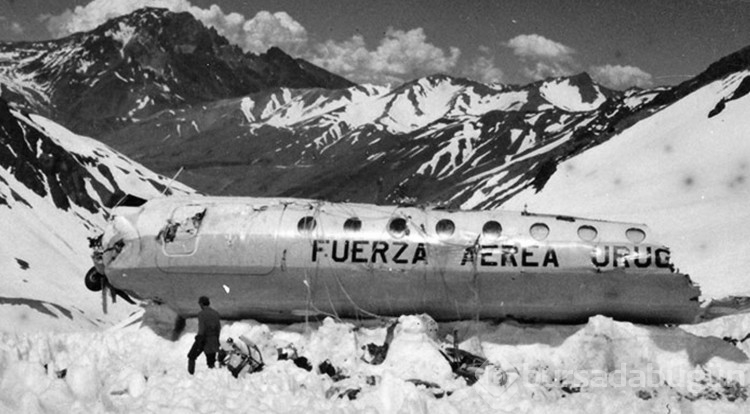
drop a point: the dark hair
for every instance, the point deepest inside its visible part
(203, 301)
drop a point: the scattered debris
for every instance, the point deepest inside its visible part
(240, 357)
(22, 263)
(735, 341)
(379, 352)
(571, 389)
(350, 393)
(290, 353)
(326, 367)
(644, 395)
(58, 374)
(434, 388)
(465, 364)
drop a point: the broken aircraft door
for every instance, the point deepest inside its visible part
(179, 237)
(220, 239)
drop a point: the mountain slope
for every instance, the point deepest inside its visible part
(138, 64)
(55, 191)
(430, 140)
(685, 171)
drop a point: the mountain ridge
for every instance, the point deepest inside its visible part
(140, 63)
(438, 140)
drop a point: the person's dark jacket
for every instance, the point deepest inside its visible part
(209, 328)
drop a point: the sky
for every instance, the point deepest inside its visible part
(619, 43)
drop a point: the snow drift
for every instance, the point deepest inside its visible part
(602, 366)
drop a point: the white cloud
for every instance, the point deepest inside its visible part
(254, 35)
(401, 55)
(543, 58)
(483, 68)
(621, 77)
(278, 29)
(88, 17)
(534, 46)
(16, 28)
(258, 34)
(543, 70)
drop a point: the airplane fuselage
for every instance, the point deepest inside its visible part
(284, 259)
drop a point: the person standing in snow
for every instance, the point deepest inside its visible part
(207, 339)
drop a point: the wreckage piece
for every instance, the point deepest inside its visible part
(378, 353)
(289, 353)
(290, 259)
(240, 357)
(465, 364)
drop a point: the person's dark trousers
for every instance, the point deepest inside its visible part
(195, 351)
(210, 359)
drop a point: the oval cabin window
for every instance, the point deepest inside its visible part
(445, 228)
(587, 233)
(635, 235)
(539, 231)
(492, 230)
(397, 227)
(353, 225)
(306, 224)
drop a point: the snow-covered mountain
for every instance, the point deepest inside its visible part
(55, 190)
(141, 63)
(676, 158)
(685, 171)
(272, 125)
(431, 140)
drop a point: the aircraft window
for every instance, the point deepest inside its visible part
(306, 224)
(397, 227)
(492, 229)
(539, 231)
(635, 235)
(445, 228)
(353, 225)
(587, 233)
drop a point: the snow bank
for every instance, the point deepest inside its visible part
(603, 366)
(683, 173)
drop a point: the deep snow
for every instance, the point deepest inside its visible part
(684, 174)
(681, 172)
(602, 366)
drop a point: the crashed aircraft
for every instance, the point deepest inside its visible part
(276, 259)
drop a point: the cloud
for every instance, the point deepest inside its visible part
(543, 70)
(483, 68)
(252, 35)
(621, 77)
(534, 46)
(278, 29)
(543, 58)
(401, 55)
(16, 28)
(258, 34)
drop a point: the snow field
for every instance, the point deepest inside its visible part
(596, 367)
(680, 172)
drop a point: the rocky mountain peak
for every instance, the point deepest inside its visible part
(139, 64)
